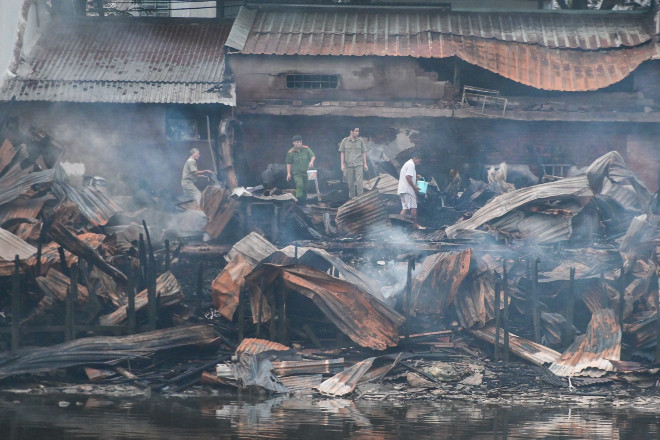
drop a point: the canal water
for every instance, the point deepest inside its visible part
(75, 417)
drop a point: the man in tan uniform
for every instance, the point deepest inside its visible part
(353, 161)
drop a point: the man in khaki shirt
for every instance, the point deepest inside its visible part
(353, 161)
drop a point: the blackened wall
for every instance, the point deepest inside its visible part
(451, 143)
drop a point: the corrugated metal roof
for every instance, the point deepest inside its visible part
(570, 187)
(363, 214)
(123, 92)
(535, 353)
(414, 32)
(95, 203)
(125, 60)
(345, 382)
(253, 247)
(256, 346)
(546, 50)
(11, 245)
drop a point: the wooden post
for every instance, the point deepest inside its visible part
(167, 255)
(64, 268)
(505, 291)
(282, 313)
(536, 309)
(570, 304)
(130, 292)
(199, 291)
(408, 294)
(241, 315)
(142, 255)
(70, 311)
(260, 306)
(622, 298)
(496, 352)
(16, 305)
(37, 271)
(657, 320)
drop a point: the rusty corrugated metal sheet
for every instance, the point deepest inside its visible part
(22, 209)
(256, 346)
(546, 50)
(363, 214)
(531, 351)
(436, 283)
(570, 187)
(589, 355)
(11, 245)
(345, 382)
(126, 60)
(95, 203)
(253, 247)
(358, 314)
(386, 184)
(11, 188)
(416, 32)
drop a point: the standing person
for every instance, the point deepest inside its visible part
(353, 161)
(190, 175)
(453, 187)
(299, 159)
(408, 189)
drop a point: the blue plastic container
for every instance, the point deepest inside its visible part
(422, 185)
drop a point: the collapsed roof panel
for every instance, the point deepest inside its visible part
(575, 187)
(589, 355)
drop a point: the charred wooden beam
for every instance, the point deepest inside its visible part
(65, 238)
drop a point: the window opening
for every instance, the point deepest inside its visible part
(306, 81)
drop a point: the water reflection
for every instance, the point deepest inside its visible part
(69, 417)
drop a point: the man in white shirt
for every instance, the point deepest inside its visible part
(408, 189)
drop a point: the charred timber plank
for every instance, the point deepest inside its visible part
(103, 350)
(73, 244)
(56, 284)
(168, 291)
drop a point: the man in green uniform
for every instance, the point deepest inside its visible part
(353, 161)
(299, 159)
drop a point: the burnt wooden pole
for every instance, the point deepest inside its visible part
(142, 255)
(408, 293)
(260, 306)
(70, 305)
(536, 308)
(200, 289)
(505, 292)
(657, 321)
(241, 314)
(622, 298)
(64, 268)
(498, 323)
(570, 304)
(16, 305)
(130, 291)
(40, 243)
(167, 255)
(282, 312)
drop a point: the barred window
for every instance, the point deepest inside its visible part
(155, 8)
(305, 81)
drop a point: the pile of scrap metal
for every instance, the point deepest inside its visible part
(597, 279)
(56, 236)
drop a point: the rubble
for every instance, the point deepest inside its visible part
(337, 302)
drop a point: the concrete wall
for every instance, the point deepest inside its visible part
(261, 78)
(10, 17)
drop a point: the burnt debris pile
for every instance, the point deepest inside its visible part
(331, 297)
